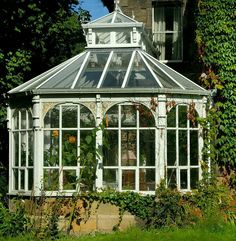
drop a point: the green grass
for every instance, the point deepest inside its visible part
(200, 233)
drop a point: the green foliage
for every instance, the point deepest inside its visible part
(216, 40)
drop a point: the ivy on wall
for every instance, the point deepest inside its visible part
(216, 39)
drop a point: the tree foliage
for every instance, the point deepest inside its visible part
(216, 38)
(109, 4)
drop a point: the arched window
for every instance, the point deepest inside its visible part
(66, 128)
(22, 150)
(183, 169)
(129, 156)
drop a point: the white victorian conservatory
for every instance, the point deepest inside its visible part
(148, 111)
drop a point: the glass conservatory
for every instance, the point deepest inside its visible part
(146, 111)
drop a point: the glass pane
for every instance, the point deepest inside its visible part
(147, 180)
(86, 117)
(69, 148)
(31, 148)
(122, 36)
(51, 148)
(93, 71)
(87, 148)
(51, 179)
(110, 149)
(194, 147)
(183, 179)
(110, 178)
(147, 147)
(171, 148)
(30, 179)
(23, 119)
(69, 180)
(140, 76)
(103, 37)
(16, 120)
(183, 148)
(194, 177)
(30, 120)
(128, 115)
(16, 148)
(128, 179)
(22, 179)
(146, 118)
(51, 119)
(128, 148)
(116, 70)
(23, 148)
(15, 179)
(111, 118)
(171, 178)
(193, 119)
(69, 116)
(182, 116)
(171, 118)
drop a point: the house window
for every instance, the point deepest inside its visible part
(22, 150)
(66, 128)
(167, 31)
(129, 160)
(183, 169)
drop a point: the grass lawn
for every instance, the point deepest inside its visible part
(200, 233)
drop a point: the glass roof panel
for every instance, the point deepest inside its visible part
(116, 70)
(106, 19)
(166, 81)
(92, 70)
(140, 76)
(65, 78)
(120, 18)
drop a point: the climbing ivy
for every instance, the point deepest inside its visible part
(216, 39)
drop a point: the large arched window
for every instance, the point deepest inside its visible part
(183, 169)
(66, 127)
(129, 159)
(22, 151)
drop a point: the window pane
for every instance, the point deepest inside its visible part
(193, 147)
(194, 177)
(51, 148)
(102, 37)
(147, 147)
(183, 148)
(15, 179)
(111, 118)
(128, 180)
(23, 148)
(69, 180)
(16, 120)
(51, 179)
(192, 119)
(128, 148)
(182, 116)
(23, 119)
(16, 148)
(30, 120)
(110, 152)
(171, 178)
(30, 179)
(171, 118)
(110, 178)
(146, 118)
(183, 179)
(31, 148)
(171, 147)
(69, 116)
(51, 119)
(147, 180)
(123, 37)
(86, 117)
(69, 148)
(128, 115)
(22, 179)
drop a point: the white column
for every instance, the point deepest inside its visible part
(98, 182)
(161, 138)
(9, 127)
(38, 161)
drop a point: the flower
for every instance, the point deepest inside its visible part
(72, 139)
(55, 133)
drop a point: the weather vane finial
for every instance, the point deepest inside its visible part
(116, 2)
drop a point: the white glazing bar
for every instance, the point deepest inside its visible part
(71, 62)
(182, 87)
(150, 69)
(128, 70)
(114, 17)
(80, 71)
(105, 69)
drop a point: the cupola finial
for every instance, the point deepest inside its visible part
(116, 3)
